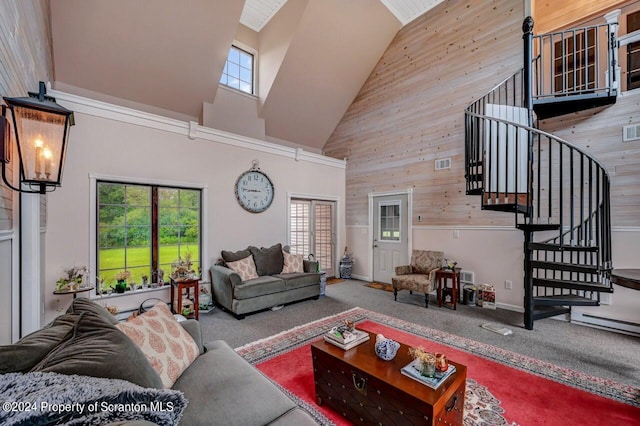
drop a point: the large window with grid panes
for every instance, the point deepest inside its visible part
(143, 229)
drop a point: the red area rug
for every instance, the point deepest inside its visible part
(502, 387)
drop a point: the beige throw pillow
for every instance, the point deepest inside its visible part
(167, 346)
(246, 268)
(292, 263)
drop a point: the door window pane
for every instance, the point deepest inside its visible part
(389, 222)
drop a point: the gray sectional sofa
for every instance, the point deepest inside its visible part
(271, 287)
(218, 388)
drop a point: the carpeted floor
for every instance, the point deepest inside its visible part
(585, 399)
(588, 350)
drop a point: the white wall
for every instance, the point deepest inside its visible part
(110, 141)
(495, 254)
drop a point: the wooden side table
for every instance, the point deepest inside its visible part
(177, 287)
(442, 275)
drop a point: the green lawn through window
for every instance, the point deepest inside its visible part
(139, 258)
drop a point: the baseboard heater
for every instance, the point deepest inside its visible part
(621, 326)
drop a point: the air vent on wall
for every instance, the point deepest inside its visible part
(443, 163)
(466, 277)
(631, 133)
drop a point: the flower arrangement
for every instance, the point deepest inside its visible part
(122, 276)
(72, 277)
(450, 264)
(182, 268)
(426, 359)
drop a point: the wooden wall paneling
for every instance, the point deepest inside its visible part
(599, 133)
(553, 15)
(410, 111)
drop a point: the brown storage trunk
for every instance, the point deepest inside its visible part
(367, 390)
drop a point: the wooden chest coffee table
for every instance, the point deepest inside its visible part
(368, 390)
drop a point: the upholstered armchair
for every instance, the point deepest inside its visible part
(419, 275)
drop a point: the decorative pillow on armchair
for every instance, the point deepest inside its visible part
(292, 263)
(246, 268)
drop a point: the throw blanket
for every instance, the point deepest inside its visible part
(54, 399)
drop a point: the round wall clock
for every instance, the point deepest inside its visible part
(254, 190)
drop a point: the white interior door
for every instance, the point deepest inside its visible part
(390, 235)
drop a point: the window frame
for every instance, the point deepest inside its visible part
(94, 223)
(254, 74)
(379, 231)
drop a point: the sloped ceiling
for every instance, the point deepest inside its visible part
(167, 57)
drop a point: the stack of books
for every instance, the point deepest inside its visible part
(412, 370)
(347, 339)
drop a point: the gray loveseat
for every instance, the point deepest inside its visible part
(271, 287)
(220, 387)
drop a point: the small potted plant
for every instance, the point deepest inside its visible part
(121, 281)
(72, 278)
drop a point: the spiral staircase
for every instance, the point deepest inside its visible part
(559, 194)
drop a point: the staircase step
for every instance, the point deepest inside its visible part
(555, 106)
(534, 227)
(564, 247)
(569, 267)
(475, 191)
(573, 285)
(549, 311)
(506, 207)
(564, 300)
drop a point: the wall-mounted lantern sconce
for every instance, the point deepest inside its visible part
(41, 132)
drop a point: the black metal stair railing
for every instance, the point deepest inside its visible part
(575, 62)
(554, 188)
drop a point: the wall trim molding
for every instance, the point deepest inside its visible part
(487, 228)
(465, 228)
(625, 229)
(106, 110)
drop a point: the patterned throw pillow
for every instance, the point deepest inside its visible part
(246, 268)
(167, 346)
(292, 263)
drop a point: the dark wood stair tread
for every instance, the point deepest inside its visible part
(629, 278)
(564, 247)
(572, 285)
(533, 227)
(555, 106)
(569, 267)
(564, 300)
(549, 311)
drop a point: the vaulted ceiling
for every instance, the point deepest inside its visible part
(166, 57)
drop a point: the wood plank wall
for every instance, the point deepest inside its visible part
(551, 15)
(410, 111)
(25, 59)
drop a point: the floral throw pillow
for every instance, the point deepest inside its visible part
(246, 268)
(167, 346)
(292, 263)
